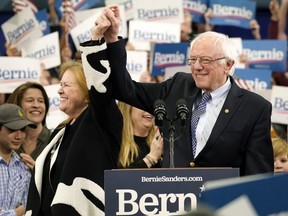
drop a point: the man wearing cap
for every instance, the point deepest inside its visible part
(14, 175)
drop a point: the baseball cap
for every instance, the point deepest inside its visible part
(12, 117)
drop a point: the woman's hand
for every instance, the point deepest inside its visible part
(28, 160)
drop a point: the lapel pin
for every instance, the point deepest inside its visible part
(226, 110)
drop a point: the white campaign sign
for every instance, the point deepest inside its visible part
(142, 33)
(22, 27)
(169, 11)
(279, 100)
(15, 71)
(46, 49)
(55, 115)
(136, 63)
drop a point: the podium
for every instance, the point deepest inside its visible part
(158, 191)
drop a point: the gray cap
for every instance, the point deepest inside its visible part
(12, 117)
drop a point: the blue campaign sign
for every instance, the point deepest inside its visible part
(232, 13)
(255, 79)
(158, 191)
(42, 17)
(265, 194)
(78, 5)
(266, 54)
(167, 55)
(196, 8)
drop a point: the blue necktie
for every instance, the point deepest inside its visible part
(198, 111)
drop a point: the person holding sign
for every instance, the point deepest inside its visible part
(233, 130)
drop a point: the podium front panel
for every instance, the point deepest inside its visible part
(158, 191)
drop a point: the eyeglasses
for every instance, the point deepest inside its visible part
(203, 60)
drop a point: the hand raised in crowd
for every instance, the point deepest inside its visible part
(45, 75)
(282, 35)
(11, 50)
(274, 9)
(208, 15)
(255, 29)
(28, 160)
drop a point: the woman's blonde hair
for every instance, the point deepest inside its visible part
(129, 149)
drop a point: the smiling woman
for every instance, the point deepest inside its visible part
(141, 146)
(33, 99)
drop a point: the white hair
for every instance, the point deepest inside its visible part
(222, 44)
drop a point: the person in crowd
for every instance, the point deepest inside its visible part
(279, 78)
(235, 129)
(14, 174)
(280, 149)
(34, 101)
(186, 27)
(68, 176)
(274, 19)
(282, 24)
(141, 147)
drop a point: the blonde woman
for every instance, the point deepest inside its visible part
(142, 145)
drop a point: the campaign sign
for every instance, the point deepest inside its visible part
(266, 54)
(82, 15)
(279, 100)
(136, 63)
(254, 79)
(142, 33)
(42, 17)
(167, 55)
(128, 7)
(158, 191)
(196, 8)
(161, 10)
(46, 49)
(256, 195)
(232, 13)
(15, 71)
(55, 116)
(22, 27)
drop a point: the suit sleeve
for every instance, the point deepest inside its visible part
(259, 152)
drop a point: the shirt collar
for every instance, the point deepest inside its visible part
(14, 158)
(219, 94)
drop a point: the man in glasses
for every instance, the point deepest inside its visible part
(226, 126)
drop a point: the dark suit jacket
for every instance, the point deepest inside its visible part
(240, 137)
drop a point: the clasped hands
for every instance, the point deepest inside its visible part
(107, 24)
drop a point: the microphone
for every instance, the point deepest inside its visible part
(159, 112)
(182, 111)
